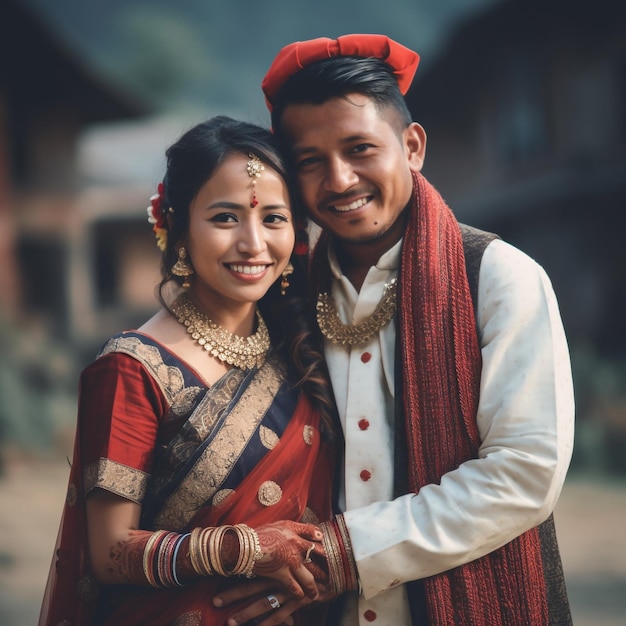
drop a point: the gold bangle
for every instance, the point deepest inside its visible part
(244, 550)
(203, 548)
(194, 551)
(148, 557)
(256, 554)
(215, 550)
(198, 551)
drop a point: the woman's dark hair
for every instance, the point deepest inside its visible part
(191, 162)
(335, 78)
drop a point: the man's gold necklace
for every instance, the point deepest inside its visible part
(354, 334)
(245, 353)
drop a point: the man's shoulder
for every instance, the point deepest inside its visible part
(475, 237)
(475, 241)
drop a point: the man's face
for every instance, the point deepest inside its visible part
(354, 166)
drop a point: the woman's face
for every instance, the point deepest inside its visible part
(238, 251)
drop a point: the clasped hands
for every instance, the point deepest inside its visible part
(291, 574)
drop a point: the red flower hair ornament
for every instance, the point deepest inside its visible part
(299, 54)
(157, 217)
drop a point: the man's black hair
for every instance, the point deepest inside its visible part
(335, 78)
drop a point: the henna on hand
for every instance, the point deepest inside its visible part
(319, 568)
(126, 558)
(278, 551)
(284, 545)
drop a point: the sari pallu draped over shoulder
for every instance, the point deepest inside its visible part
(290, 481)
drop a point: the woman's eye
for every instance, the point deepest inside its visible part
(276, 218)
(224, 217)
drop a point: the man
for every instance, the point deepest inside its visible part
(457, 415)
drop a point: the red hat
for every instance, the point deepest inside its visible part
(299, 54)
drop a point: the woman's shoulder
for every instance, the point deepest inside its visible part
(135, 351)
(149, 344)
(135, 344)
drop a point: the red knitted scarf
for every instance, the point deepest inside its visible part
(441, 366)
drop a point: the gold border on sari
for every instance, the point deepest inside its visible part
(168, 377)
(128, 482)
(222, 453)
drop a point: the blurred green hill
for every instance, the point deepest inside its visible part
(214, 54)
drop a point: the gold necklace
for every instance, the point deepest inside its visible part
(242, 352)
(354, 334)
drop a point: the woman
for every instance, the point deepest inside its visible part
(203, 447)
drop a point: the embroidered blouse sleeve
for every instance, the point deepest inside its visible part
(525, 418)
(120, 408)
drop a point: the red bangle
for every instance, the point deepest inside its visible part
(341, 565)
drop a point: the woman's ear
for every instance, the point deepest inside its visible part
(414, 137)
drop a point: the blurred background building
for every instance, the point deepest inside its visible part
(63, 240)
(524, 104)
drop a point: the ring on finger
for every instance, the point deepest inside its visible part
(307, 558)
(273, 602)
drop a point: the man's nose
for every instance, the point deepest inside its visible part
(340, 175)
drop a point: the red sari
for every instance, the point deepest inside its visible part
(246, 450)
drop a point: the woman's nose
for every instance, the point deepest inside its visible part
(251, 240)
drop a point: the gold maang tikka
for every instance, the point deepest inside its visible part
(254, 167)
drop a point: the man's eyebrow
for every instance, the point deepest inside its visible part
(299, 151)
(353, 138)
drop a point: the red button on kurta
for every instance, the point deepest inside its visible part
(364, 424)
(366, 356)
(370, 616)
(365, 475)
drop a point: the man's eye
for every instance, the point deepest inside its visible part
(362, 147)
(308, 162)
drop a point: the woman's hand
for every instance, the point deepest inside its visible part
(285, 546)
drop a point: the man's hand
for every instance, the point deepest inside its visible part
(267, 594)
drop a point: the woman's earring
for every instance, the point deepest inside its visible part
(182, 267)
(284, 283)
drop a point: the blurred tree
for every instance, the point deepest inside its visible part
(158, 53)
(37, 387)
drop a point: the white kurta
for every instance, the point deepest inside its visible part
(525, 420)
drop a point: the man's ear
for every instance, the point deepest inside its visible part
(415, 144)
